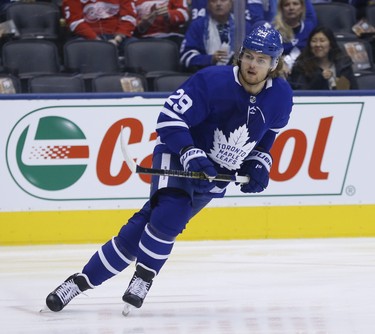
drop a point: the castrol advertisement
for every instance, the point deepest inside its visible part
(65, 154)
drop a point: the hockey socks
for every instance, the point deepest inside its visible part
(107, 262)
(154, 248)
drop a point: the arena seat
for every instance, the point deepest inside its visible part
(35, 19)
(338, 16)
(56, 83)
(169, 82)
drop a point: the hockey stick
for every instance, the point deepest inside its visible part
(176, 173)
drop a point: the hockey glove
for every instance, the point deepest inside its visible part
(195, 160)
(257, 166)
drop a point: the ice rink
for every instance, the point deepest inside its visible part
(307, 286)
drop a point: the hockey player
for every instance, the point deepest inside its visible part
(223, 119)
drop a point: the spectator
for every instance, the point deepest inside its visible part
(162, 19)
(110, 20)
(295, 19)
(209, 40)
(255, 10)
(322, 64)
(197, 8)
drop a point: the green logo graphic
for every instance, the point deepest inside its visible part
(52, 155)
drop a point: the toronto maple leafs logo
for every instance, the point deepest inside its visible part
(230, 152)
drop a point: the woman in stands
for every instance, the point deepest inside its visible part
(295, 19)
(322, 65)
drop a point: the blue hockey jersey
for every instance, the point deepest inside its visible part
(212, 111)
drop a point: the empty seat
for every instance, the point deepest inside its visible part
(151, 55)
(90, 57)
(35, 19)
(56, 83)
(339, 17)
(27, 58)
(366, 81)
(169, 82)
(121, 82)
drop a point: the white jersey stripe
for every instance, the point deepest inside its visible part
(170, 123)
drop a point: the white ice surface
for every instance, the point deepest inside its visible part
(308, 286)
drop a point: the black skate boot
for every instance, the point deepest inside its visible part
(64, 293)
(137, 290)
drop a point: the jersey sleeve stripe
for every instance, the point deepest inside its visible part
(167, 124)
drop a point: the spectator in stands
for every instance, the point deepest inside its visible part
(110, 20)
(197, 8)
(255, 10)
(162, 19)
(209, 40)
(322, 65)
(295, 19)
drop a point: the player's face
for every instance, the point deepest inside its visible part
(254, 67)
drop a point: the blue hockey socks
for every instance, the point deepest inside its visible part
(107, 262)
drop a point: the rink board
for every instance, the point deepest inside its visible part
(210, 224)
(321, 179)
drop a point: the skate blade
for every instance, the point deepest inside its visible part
(127, 309)
(44, 309)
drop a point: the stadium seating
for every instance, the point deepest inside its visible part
(29, 57)
(339, 17)
(35, 19)
(169, 82)
(366, 81)
(90, 57)
(119, 82)
(56, 83)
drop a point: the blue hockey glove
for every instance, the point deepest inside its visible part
(195, 160)
(257, 166)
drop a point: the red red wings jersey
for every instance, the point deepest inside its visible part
(90, 18)
(178, 16)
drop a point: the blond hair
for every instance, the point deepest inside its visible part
(279, 23)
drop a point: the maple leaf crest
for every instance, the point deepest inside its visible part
(230, 152)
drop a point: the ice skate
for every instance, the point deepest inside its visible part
(64, 293)
(138, 288)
